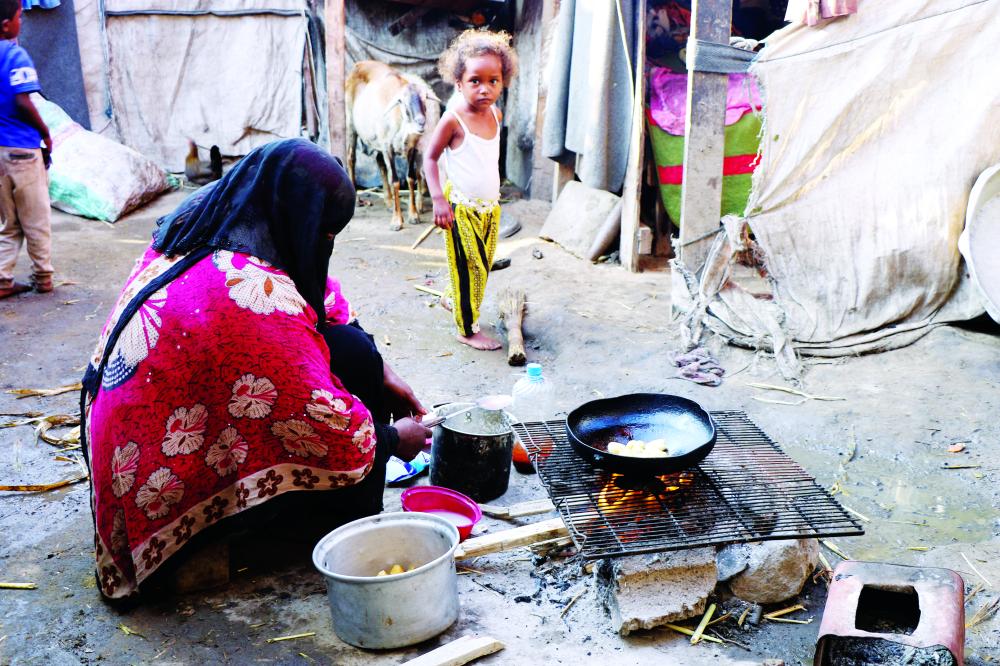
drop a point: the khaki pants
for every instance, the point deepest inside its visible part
(24, 212)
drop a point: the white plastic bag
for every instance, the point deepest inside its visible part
(92, 175)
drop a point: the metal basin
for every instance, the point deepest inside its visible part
(371, 611)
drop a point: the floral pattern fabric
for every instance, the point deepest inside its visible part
(217, 397)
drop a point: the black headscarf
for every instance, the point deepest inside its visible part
(278, 204)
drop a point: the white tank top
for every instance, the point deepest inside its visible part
(474, 167)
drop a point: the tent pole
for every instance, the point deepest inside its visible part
(336, 20)
(704, 145)
(630, 226)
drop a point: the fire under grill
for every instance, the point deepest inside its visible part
(747, 489)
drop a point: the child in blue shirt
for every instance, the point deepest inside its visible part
(24, 184)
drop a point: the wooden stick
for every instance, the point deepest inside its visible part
(789, 621)
(512, 305)
(545, 547)
(721, 618)
(833, 547)
(18, 586)
(705, 619)
(42, 487)
(571, 602)
(427, 232)
(45, 393)
(459, 651)
(529, 508)
(985, 579)
(428, 290)
(306, 634)
(688, 632)
(784, 611)
(512, 538)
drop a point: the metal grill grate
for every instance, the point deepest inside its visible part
(747, 489)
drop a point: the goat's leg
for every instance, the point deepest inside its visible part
(386, 183)
(352, 141)
(393, 189)
(413, 183)
(421, 184)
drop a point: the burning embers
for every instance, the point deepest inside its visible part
(639, 495)
(641, 510)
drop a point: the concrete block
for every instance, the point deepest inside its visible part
(646, 591)
(577, 217)
(776, 570)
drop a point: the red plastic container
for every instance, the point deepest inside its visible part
(451, 505)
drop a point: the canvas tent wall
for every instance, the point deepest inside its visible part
(233, 73)
(877, 125)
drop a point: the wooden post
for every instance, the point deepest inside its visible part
(629, 244)
(704, 144)
(336, 23)
(542, 177)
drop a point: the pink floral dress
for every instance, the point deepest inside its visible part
(217, 397)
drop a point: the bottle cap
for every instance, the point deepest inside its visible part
(534, 370)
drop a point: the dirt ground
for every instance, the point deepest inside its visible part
(598, 331)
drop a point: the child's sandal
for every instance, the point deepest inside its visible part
(14, 289)
(42, 285)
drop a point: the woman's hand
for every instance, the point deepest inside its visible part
(444, 217)
(399, 397)
(413, 438)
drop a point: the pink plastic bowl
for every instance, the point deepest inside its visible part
(453, 506)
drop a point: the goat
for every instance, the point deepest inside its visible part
(391, 113)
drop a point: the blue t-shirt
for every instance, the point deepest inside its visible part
(17, 75)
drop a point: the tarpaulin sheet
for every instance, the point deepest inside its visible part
(231, 81)
(876, 126)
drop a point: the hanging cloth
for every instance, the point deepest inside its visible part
(44, 4)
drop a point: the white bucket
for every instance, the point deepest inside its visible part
(371, 611)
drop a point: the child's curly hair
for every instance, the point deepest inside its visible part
(474, 43)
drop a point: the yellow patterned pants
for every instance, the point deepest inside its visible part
(470, 244)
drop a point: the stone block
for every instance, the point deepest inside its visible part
(646, 591)
(577, 217)
(776, 570)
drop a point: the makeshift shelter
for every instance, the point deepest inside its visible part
(876, 126)
(232, 73)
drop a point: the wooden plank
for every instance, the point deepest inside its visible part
(512, 538)
(701, 191)
(629, 244)
(459, 651)
(336, 72)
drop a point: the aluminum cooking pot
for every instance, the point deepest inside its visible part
(684, 424)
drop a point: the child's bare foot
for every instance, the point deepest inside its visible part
(479, 341)
(445, 303)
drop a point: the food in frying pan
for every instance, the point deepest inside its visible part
(636, 448)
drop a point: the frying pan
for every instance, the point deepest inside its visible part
(687, 428)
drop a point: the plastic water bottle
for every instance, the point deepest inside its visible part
(533, 396)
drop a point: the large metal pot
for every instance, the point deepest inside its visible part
(371, 611)
(472, 452)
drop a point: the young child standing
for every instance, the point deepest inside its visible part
(24, 184)
(480, 64)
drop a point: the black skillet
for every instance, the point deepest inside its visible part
(646, 416)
